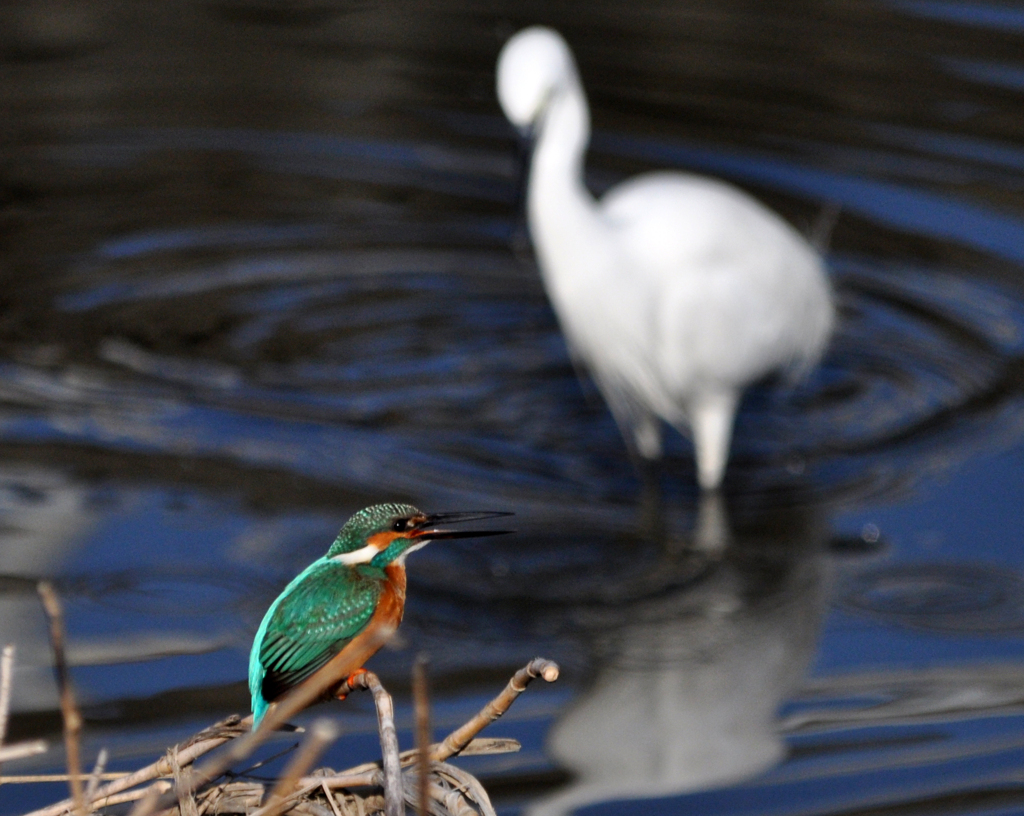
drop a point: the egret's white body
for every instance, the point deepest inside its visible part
(675, 290)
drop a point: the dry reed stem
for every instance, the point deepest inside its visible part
(322, 733)
(464, 783)
(308, 692)
(131, 796)
(460, 737)
(24, 779)
(21, 750)
(6, 678)
(365, 775)
(192, 750)
(394, 796)
(360, 773)
(148, 797)
(182, 785)
(69, 711)
(330, 800)
(94, 777)
(421, 709)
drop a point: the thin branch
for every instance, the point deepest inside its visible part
(72, 718)
(393, 793)
(193, 749)
(368, 775)
(152, 792)
(182, 786)
(331, 800)
(322, 733)
(362, 775)
(6, 678)
(20, 750)
(314, 688)
(24, 779)
(456, 741)
(466, 783)
(148, 798)
(421, 708)
(96, 775)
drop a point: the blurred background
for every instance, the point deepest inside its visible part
(262, 266)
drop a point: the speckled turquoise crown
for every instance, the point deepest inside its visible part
(365, 523)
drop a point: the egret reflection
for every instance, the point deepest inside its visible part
(687, 683)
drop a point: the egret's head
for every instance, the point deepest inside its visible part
(387, 533)
(531, 67)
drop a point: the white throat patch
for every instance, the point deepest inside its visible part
(419, 545)
(364, 555)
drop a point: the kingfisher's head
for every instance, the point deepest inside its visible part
(386, 533)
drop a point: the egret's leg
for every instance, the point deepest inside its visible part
(711, 534)
(711, 416)
(647, 436)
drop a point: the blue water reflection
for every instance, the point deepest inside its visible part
(230, 323)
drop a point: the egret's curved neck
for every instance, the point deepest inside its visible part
(561, 212)
(556, 172)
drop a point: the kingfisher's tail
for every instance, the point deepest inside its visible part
(259, 708)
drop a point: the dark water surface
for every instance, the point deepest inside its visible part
(261, 266)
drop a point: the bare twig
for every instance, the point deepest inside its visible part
(460, 737)
(148, 800)
(361, 775)
(329, 794)
(6, 676)
(94, 777)
(24, 779)
(130, 796)
(20, 750)
(314, 688)
(393, 794)
(192, 750)
(466, 784)
(72, 718)
(452, 790)
(182, 786)
(421, 707)
(321, 734)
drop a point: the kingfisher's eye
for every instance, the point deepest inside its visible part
(400, 525)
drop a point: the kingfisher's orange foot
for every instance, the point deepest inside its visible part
(352, 677)
(349, 683)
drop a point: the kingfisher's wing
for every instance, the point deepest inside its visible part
(314, 620)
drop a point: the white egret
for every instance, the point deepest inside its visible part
(676, 291)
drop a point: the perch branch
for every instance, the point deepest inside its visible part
(20, 750)
(202, 743)
(322, 733)
(96, 775)
(362, 775)
(6, 675)
(314, 688)
(393, 794)
(421, 708)
(369, 775)
(69, 711)
(24, 779)
(456, 741)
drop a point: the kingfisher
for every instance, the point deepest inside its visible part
(340, 603)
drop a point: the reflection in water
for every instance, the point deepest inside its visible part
(42, 514)
(948, 598)
(256, 275)
(688, 682)
(46, 519)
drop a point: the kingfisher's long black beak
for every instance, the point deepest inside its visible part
(428, 527)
